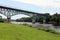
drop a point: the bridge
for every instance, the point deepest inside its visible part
(9, 12)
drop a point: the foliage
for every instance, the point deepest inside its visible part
(2, 20)
(38, 18)
(48, 30)
(48, 16)
(56, 19)
(24, 19)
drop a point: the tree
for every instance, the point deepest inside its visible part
(48, 17)
(56, 19)
(24, 19)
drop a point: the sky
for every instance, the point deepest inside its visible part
(39, 6)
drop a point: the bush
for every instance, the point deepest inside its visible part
(27, 25)
(56, 24)
(30, 25)
(52, 31)
(1, 20)
(41, 28)
(48, 30)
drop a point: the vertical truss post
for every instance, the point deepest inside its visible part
(34, 18)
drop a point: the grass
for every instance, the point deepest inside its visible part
(24, 32)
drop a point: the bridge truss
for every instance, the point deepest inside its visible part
(9, 12)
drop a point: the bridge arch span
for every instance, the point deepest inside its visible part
(9, 12)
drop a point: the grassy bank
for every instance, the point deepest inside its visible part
(23, 32)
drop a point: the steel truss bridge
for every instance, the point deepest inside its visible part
(9, 12)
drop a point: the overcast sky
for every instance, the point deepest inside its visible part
(40, 6)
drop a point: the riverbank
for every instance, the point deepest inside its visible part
(39, 25)
(10, 31)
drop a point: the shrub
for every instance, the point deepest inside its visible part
(41, 28)
(1, 20)
(27, 25)
(48, 30)
(52, 31)
(56, 23)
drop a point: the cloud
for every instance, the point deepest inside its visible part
(52, 3)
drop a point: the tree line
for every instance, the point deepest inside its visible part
(50, 19)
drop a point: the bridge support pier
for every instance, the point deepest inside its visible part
(44, 21)
(8, 19)
(33, 21)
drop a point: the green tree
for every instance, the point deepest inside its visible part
(56, 19)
